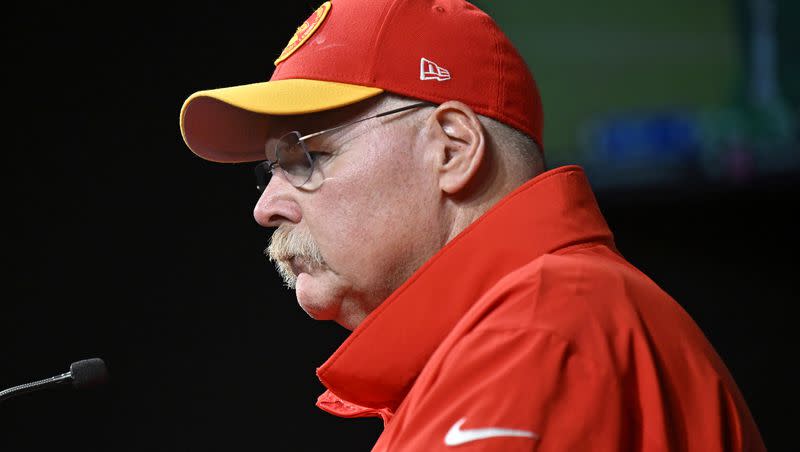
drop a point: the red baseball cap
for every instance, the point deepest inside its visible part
(352, 50)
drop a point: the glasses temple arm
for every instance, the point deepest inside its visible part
(385, 113)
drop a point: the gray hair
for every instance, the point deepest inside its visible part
(511, 139)
(501, 137)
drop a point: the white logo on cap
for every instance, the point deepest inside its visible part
(428, 70)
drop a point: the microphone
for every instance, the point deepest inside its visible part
(83, 374)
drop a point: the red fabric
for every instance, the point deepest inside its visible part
(379, 43)
(531, 320)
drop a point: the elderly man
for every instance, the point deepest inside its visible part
(400, 149)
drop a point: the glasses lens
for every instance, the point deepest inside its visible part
(263, 174)
(294, 159)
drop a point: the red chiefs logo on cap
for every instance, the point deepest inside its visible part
(305, 31)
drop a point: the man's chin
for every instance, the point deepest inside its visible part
(316, 297)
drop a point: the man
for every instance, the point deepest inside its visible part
(489, 306)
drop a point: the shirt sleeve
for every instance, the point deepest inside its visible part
(512, 390)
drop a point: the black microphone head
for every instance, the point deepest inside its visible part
(88, 372)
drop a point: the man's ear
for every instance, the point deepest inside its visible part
(459, 140)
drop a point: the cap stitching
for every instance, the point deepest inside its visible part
(379, 38)
(498, 65)
(502, 90)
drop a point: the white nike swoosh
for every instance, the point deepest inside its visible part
(457, 436)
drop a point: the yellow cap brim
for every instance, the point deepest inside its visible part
(231, 124)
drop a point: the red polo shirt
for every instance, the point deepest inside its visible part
(529, 331)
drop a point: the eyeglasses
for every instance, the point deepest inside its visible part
(294, 158)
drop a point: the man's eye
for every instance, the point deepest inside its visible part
(318, 155)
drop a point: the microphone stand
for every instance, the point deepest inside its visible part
(33, 386)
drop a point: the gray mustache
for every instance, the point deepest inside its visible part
(287, 243)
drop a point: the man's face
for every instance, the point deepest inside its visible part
(369, 215)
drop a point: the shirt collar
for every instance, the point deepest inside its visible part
(377, 364)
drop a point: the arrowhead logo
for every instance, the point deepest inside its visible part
(428, 70)
(305, 31)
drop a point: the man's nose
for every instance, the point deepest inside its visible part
(277, 204)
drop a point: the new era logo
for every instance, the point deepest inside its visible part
(428, 70)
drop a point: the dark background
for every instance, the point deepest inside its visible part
(121, 244)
